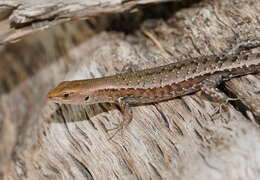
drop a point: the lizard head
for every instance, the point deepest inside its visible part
(71, 92)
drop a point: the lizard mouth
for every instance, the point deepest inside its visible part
(52, 98)
(57, 99)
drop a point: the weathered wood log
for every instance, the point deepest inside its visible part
(174, 139)
(21, 18)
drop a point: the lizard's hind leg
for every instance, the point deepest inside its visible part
(210, 89)
(217, 96)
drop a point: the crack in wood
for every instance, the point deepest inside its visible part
(82, 167)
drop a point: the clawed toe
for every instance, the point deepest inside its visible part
(231, 99)
(117, 128)
(219, 109)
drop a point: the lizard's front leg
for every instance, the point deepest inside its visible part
(127, 116)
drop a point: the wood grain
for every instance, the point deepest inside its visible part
(21, 18)
(177, 139)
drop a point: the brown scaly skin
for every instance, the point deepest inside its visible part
(157, 84)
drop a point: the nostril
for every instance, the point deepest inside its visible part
(49, 97)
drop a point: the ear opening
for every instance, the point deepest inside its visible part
(66, 95)
(86, 98)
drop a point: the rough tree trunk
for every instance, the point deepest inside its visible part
(177, 139)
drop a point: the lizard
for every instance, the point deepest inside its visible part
(159, 83)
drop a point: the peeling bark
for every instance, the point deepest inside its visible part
(28, 16)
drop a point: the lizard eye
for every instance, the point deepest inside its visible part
(86, 98)
(66, 95)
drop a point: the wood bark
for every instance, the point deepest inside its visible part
(177, 139)
(19, 18)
